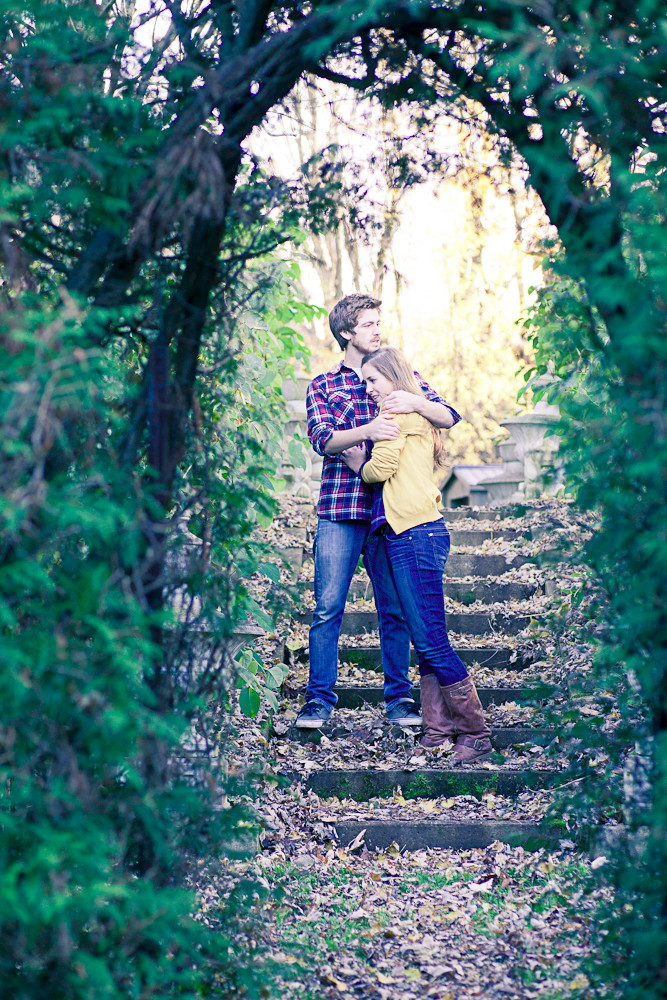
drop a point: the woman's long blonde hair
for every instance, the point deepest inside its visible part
(392, 363)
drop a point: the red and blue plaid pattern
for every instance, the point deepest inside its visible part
(337, 401)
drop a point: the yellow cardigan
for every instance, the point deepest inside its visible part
(405, 466)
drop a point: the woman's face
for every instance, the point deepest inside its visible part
(377, 386)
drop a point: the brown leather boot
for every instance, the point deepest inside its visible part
(438, 727)
(465, 710)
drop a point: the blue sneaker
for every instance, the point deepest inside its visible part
(404, 713)
(313, 715)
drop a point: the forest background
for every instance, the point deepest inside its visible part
(148, 316)
(436, 223)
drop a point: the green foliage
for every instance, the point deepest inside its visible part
(614, 450)
(598, 335)
(100, 810)
(129, 505)
(227, 487)
(146, 334)
(104, 696)
(75, 919)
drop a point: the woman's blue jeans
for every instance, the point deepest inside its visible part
(338, 545)
(417, 559)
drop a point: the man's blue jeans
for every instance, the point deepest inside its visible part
(417, 559)
(338, 545)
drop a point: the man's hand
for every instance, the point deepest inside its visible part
(354, 457)
(402, 401)
(382, 429)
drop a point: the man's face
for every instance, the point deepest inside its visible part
(366, 334)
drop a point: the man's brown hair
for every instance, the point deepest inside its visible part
(344, 314)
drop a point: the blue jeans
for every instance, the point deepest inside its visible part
(417, 559)
(338, 545)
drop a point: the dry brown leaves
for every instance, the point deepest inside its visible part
(494, 922)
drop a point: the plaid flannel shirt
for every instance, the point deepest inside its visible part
(338, 401)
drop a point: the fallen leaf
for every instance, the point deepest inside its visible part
(436, 971)
(480, 886)
(413, 974)
(305, 861)
(329, 980)
(358, 841)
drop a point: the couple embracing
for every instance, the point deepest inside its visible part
(377, 425)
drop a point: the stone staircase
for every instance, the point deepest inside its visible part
(387, 788)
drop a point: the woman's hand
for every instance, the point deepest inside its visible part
(354, 457)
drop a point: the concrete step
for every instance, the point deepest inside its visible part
(501, 738)
(490, 593)
(465, 591)
(489, 513)
(475, 536)
(416, 836)
(361, 785)
(475, 514)
(291, 560)
(466, 623)
(356, 696)
(461, 564)
(500, 657)
(476, 564)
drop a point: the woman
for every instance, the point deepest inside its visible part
(417, 544)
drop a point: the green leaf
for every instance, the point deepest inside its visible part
(260, 616)
(296, 453)
(276, 675)
(263, 619)
(264, 520)
(270, 570)
(271, 700)
(249, 675)
(249, 702)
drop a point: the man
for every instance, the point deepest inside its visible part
(340, 416)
